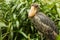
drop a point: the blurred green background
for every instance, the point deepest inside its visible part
(14, 22)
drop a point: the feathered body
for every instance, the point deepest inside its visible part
(43, 23)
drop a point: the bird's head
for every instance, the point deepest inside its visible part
(33, 10)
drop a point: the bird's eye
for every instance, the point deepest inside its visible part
(36, 5)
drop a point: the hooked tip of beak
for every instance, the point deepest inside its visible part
(29, 16)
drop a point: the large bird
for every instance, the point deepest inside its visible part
(42, 22)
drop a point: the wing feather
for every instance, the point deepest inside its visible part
(46, 20)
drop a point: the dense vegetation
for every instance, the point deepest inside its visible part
(14, 22)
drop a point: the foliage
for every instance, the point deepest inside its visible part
(58, 37)
(14, 22)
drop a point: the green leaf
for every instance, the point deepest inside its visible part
(13, 8)
(14, 16)
(2, 24)
(19, 5)
(58, 8)
(17, 23)
(21, 32)
(58, 37)
(59, 23)
(0, 34)
(22, 10)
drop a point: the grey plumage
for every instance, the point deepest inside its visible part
(45, 25)
(46, 20)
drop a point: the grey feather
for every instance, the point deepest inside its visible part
(46, 20)
(45, 25)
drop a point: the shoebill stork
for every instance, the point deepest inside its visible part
(43, 23)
